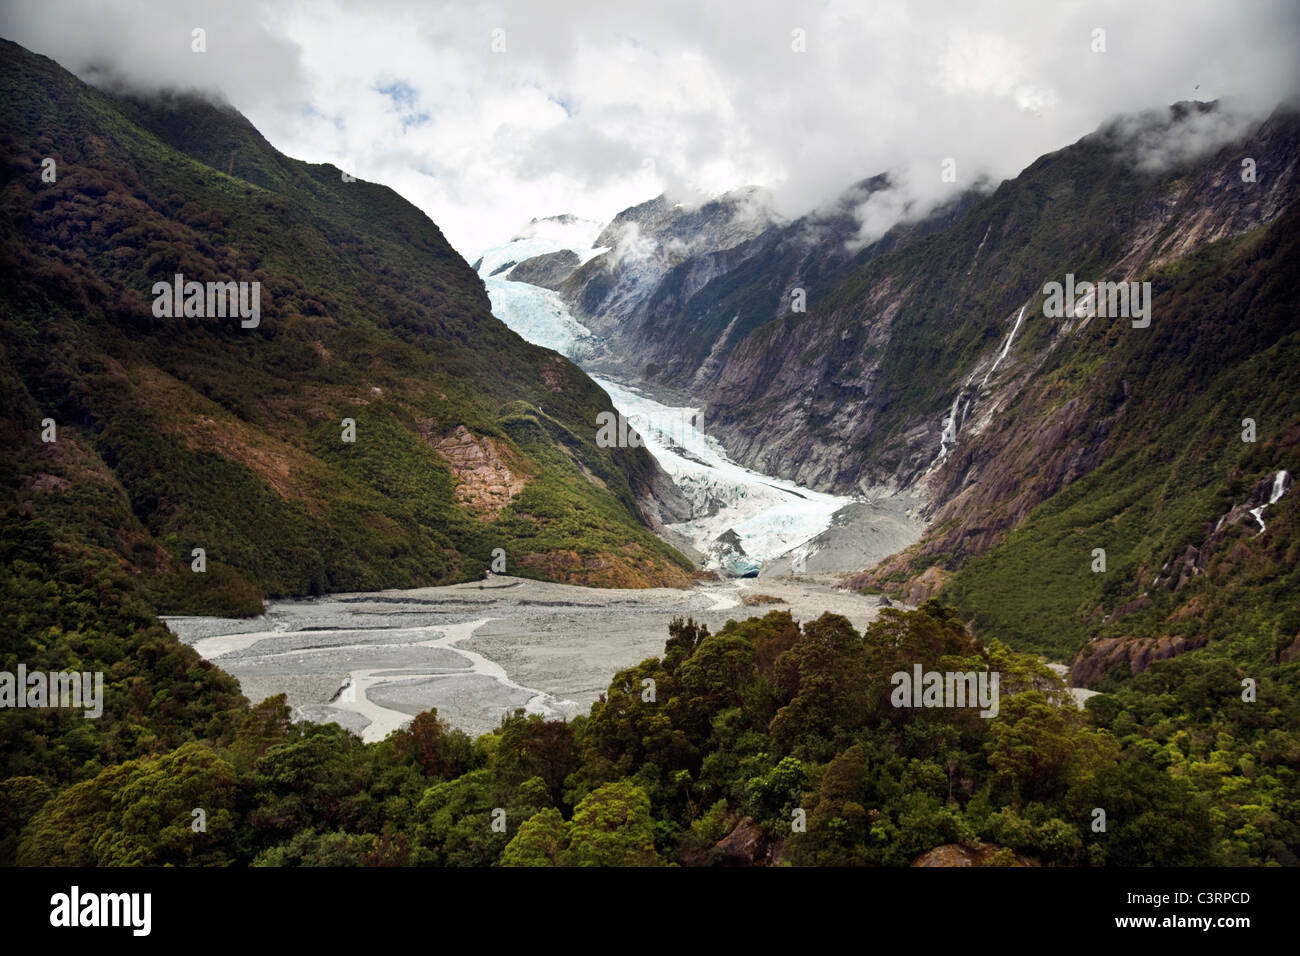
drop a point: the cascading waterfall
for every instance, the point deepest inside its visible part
(1006, 346)
(957, 414)
(1281, 481)
(952, 424)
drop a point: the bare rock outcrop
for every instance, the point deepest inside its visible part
(1137, 652)
(954, 854)
(487, 482)
(548, 271)
(748, 845)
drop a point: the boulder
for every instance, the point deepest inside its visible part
(746, 845)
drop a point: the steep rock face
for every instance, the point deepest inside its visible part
(1180, 516)
(681, 287)
(1136, 654)
(925, 586)
(856, 391)
(646, 242)
(604, 571)
(549, 270)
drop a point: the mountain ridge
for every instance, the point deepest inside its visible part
(930, 365)
(368, 315)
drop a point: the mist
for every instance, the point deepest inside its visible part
(489, 114)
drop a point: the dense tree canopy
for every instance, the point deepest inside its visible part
(770, 741)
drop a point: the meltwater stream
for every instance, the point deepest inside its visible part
(479, 650)
(473, 651)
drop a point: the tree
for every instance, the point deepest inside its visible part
(439, 751)
(1029, 746)
(531, 746)
(454, 823)
(309, 848)
(314, 781)
(826, 673)
(140, 813)
(836, 832)
(683, 638)
(612, 827)
(541, 841)
(20, 799)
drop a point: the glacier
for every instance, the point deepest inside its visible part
(768, 516)
(539, 316)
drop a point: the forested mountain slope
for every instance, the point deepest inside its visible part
(232, 434)
(857, 391)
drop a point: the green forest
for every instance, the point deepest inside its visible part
(777, 729)
(772, 740)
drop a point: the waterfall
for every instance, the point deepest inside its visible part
(957, 414)
(1006, 346)
(1281, 481)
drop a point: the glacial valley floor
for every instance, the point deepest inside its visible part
(478, 650)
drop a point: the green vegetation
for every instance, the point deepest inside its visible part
(1173, 465)
(183, 433)
(749, 727)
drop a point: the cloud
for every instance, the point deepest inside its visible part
(1155, 141)
(488, 113)
(247, 58)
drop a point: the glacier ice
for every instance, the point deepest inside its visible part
(769, 516)
(539, 316)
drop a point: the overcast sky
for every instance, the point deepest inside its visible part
(589, 107)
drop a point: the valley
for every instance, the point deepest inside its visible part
(599, 539)
(740, 522)
(476, 651)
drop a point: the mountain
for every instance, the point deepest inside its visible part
(374, 426)
(673, 288)
(649, 249)
(927, 363)
(1037, 438)
(855, 392)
